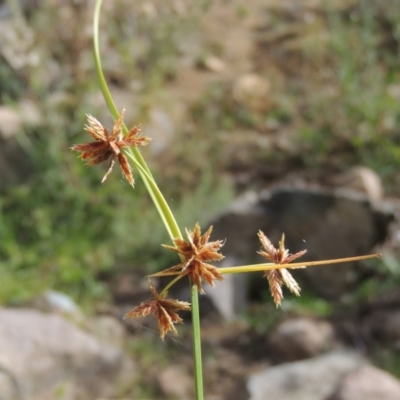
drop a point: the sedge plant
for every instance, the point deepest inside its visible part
(196, 251)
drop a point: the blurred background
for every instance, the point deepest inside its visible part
(265, 114)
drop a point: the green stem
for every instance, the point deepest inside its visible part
(170, 284)
(135, 155)
(198, 365)
(158, 200)
(103, 84)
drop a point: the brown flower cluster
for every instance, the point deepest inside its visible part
(164, 310)
(108, 146)
(196, 252)
(278, 277)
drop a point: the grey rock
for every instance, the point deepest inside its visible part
(10, 122)
(314, 379)
(213, 64)
(253, 91)
(368, 383)
(108, 329)
(329, 224)
(52, 301)
(298, 338)
(43, 356)
(363, 179)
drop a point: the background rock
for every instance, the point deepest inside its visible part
(45, 356)
(56, 302)
(253, 91)
(363, 179)
(368, 383)
(329, 224)
(107, 329)
(314, 379)
(300, 338)
(10, 122)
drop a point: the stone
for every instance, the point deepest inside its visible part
(43, 357)
(10, 122)
(108, 329)
(52, 301)
(213, 64)
(362, 179)
(252, 91)
(299, 338)
(329, 224)
(313, 379)
(8, 387)
(368, 383)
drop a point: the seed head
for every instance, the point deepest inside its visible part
(164, 310)
(108, 146)
(197, 251)
(278, 277)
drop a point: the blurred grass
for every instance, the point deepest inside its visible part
(360, 119)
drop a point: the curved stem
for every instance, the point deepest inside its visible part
(103, 84)
(158, 200)
(155, 193)
(171, 283)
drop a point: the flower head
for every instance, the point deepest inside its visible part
(164, 310)
(108, 146)
(278, 277)
(196, 252)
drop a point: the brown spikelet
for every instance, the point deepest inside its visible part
(275, 285)
(278, 277)
(109, 147)
(166, 311)
(196, 251)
